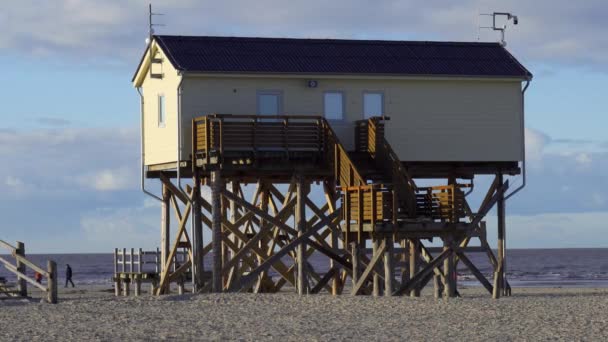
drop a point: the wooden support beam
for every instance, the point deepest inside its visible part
(216, 229)
(414, 264)
(165, 226)
(300, 223)
(52, 282)
(249, 278)
(21, 282)
(198, 267)
(499, 285)
(163, 283)
(448, 269)
(174, 189)
(324, 280)
(369, 269)
(420, 275)
(377, 287)
(389, 270)
(482, 279)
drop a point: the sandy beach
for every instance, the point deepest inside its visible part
(89, 313)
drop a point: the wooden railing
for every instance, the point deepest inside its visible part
(218, 134)
(368, 203)
(445, 203)
(386, 159)
(19, 267)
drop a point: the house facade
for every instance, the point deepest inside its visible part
(446, 102)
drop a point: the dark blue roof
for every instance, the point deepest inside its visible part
(337, 56)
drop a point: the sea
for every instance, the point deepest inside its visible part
(586, 267)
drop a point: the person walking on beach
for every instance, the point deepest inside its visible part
(68, 276)
(38, 277)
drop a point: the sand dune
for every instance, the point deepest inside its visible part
(531, 314)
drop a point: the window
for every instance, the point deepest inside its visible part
(373, 104)
(162, 115)
(334, 105)
(269, 103)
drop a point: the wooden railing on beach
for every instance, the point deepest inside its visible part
(19, 267)
(134, 266)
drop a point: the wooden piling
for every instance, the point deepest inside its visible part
(414, 265)
(438, 289)
(21, 282)
(197, 236)
(300, 222)
(377, 287)
(499, 277)
(389, 271)
(137, 286)
(448, 269)
(354, 247)
(216, 230)
(52, 282)
(165, 228)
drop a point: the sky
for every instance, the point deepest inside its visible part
(69, 136)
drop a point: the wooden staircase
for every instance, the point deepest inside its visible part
(390, 195)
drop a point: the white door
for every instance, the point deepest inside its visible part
(373, 105)
(269, 103)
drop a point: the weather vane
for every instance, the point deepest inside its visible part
(502, 29)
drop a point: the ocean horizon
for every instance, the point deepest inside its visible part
(537, 267)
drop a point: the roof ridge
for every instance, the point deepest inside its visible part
(333, 40)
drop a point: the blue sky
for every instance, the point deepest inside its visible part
(69, 130)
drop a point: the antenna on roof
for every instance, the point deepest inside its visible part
(502, 29)
(151, 24)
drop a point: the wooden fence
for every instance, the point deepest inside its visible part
(19, 268)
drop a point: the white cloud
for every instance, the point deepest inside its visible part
(554, 230)
(584, 159)
(130, 226)
(535, 146)
(102, 30)
(110, 179)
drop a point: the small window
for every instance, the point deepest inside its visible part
(162, 115)
(334, 106)
(269, 103)
(373, 105)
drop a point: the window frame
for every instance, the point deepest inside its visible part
(343, 114)
(278, 93)
(370, 92)
(161, 106)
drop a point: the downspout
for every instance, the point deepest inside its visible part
(143, 149)
(179, 132)
(523, 135)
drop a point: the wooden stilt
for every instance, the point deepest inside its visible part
(300, 222)
(438, 288)
(165, 228)
(127, 287)
(414, 265)
(137, 287)
(216, 229)
(389, 271)
(52, 285)
(376, 289)
(197, 235)
(499, 278)
(448, 269)
(21, 282)
(330, 197)
(355, 254)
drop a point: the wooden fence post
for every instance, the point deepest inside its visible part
(21, 283)
(52, 282)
